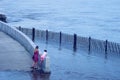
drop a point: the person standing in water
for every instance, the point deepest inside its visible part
(35, 58)
(43, 56)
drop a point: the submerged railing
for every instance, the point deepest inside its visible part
(73, 41)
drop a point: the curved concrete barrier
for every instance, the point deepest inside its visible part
(19, 36)
(23, 40)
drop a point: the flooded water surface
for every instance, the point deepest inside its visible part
(66, 64)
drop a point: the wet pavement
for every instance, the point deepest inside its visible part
(13, 55)
(65, 65)
(15, 61)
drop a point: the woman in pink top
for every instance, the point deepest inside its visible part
(43, 56)
(35, 57)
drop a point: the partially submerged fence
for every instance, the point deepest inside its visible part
(73, 41)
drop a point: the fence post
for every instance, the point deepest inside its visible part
(106, 44)
(60, 38)
(20, 28)
(33, 34)
(46, 36)
(89, 47)
(75, 42)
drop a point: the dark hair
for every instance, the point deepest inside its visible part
(37, 47)
(45, 50)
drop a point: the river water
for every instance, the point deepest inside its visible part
(96, 18)
(66, 64)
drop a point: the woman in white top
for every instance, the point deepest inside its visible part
(43, 56)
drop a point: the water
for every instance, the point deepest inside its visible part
(96, 18)
(66, 64)
(22, 75)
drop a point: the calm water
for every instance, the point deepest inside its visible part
(97, 18)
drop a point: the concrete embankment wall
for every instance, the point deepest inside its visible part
(24, 41)
(19, 36)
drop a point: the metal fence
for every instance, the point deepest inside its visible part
(73, 41)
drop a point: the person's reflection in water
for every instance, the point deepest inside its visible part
(38, 75)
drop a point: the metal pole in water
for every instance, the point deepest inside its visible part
(33, 34)
(106, 48)
(75, 42)
(60, 38)
(89, 47)
(46, 36)
(20, 28)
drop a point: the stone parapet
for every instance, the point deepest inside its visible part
(24, 41)
(19, 36)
